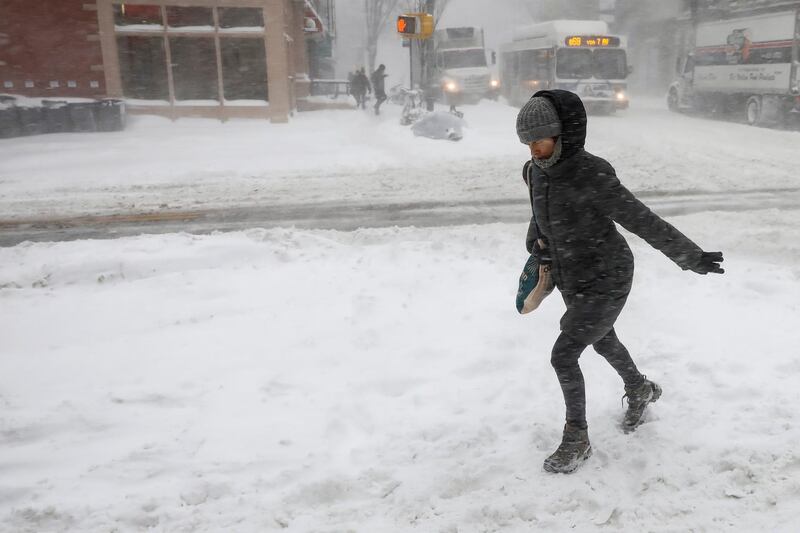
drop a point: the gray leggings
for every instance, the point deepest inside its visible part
(564, 359)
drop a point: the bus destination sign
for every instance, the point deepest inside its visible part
(601, 41)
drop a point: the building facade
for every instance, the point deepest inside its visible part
(702, 10)
(653, 30)
(209, 58)
(660, 32)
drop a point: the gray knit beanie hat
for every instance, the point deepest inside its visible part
(537, 120)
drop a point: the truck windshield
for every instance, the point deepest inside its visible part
(572, 63)
(474, 57)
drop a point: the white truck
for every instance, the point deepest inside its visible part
(459, 73)
(748, 65)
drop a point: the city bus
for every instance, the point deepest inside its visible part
(576, 55)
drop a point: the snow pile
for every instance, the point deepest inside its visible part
(382, 380)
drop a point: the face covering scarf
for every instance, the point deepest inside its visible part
(552, 160)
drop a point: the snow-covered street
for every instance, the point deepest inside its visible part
(380, 379)
(355, 158)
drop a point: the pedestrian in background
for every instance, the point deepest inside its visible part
(359, 87)
(576, 199)
(379, 86)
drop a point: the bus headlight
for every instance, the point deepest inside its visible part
(621, 96)
(451, 86)
(495, 84)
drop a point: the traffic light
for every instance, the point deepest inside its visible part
(407, 25)
(415, 25)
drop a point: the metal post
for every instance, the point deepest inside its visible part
(425, 53)
(411, 64)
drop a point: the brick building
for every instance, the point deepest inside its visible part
(210, 58)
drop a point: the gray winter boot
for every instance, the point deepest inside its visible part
(638, 399)
(574, 450)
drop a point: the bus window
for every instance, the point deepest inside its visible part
(610, 64)
(574, 63)
(510, 67)
(534, 65)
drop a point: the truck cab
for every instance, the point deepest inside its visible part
(461, 73)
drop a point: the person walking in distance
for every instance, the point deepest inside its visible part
(378, 79)
(576, 199)
(359, 86)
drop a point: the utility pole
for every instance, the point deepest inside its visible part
(426, 53)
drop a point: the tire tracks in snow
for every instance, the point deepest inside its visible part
(348, 216)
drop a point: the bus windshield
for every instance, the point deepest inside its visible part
(610, 64)
(574, 63)
(582, 63)
(472, 57)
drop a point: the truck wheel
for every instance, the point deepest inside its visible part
(672, 100)
(753, 110)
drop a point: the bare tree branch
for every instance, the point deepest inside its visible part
(441, 5)
(377, 15)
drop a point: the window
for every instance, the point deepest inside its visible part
(244, 70)
(182, 17)
(508, 67)
(610, 64)
(241, 17)
(689, 67)
(137, 15)
(146, 33)
(143, 67)
(194, 68)
(574, 63)
(534, 65)
(474, 57)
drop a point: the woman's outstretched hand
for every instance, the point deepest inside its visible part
(708, 262)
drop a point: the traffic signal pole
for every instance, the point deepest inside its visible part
(416, 28)
(411, 65)
(429, 6)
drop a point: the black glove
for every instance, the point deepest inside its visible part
(708, 262)
(542, 255)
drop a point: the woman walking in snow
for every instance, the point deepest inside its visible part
(576, 198)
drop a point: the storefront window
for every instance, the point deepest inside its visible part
(143, 67)
(241, 17)
(197, 17)
(137, 15)
(145, 38)
(244, 69)
(194, 68)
